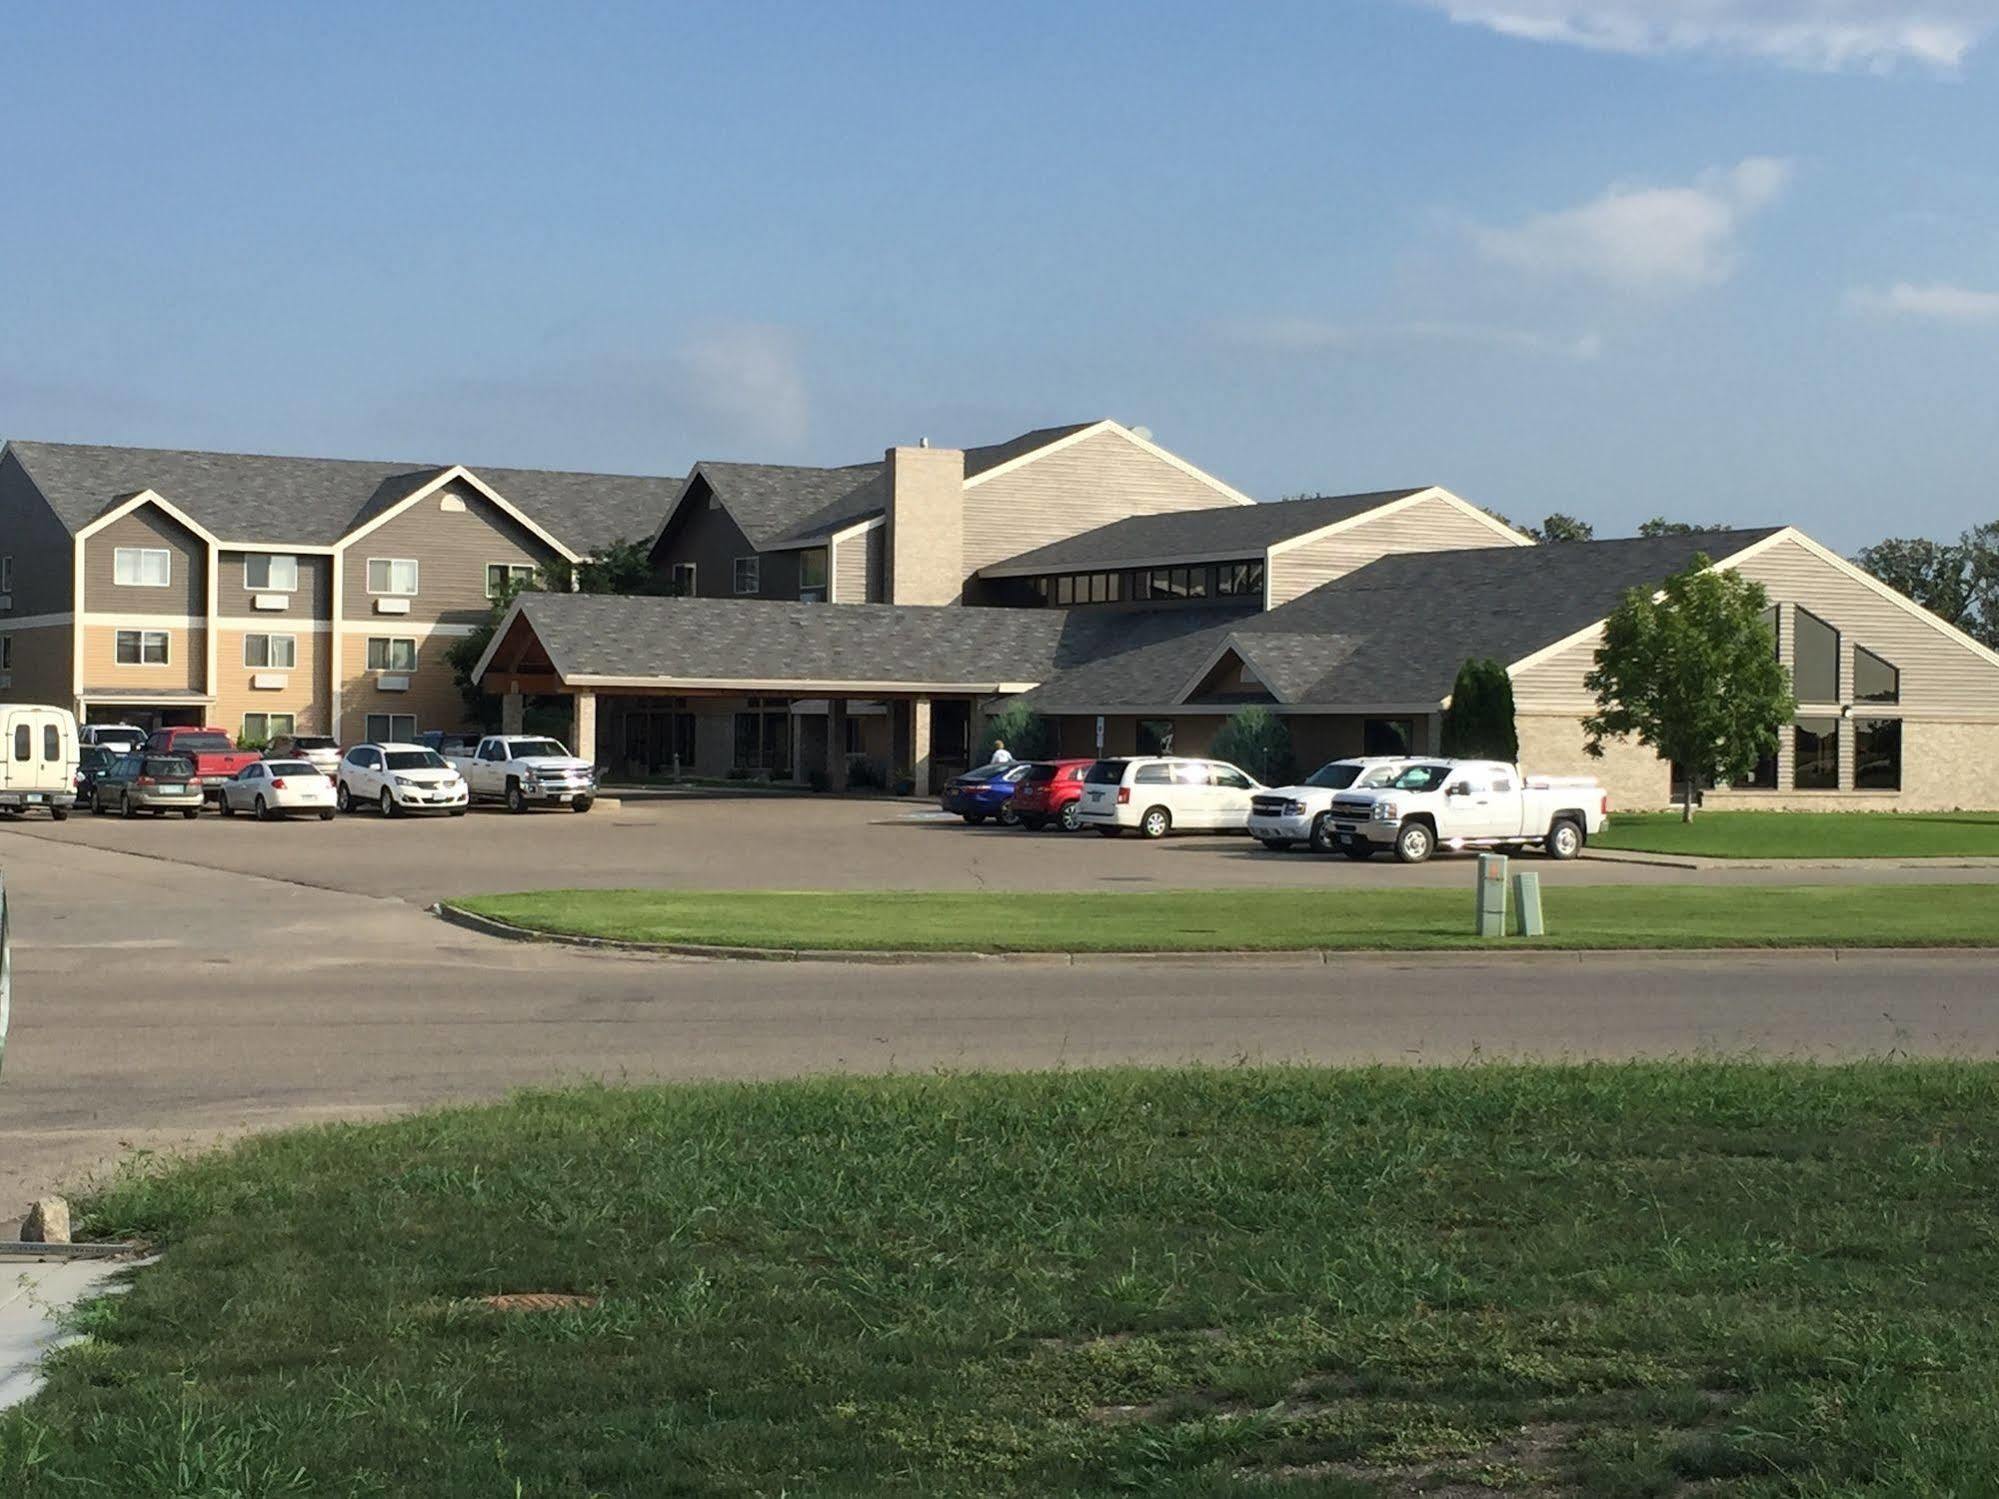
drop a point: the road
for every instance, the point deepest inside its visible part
(162, 1004)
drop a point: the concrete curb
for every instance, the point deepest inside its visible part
(1704, 862)
(1297, 957)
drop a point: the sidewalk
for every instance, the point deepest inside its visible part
(1705, 861)
(34, 1293)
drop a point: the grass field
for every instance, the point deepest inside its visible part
(1808, 835)
(1600, 1281)
(1584, 916)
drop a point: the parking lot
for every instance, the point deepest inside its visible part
(771, 841)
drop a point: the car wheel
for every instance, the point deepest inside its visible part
(1358, 855)
(457, 811)
(125, 807)
(96, 803)
(1275, 845)
(517, 800)
(1072, 817)
(1565, 839)
(974, 818)
(1414, 843)
(580, 803)
(1110, 832)
(1322, 835)
(1008, 818)
(225, 806)
(1156, 823)
(190, 813)
(59, 814)
(342, 798)
(1032, 824)
(326, 817)
(263, 810)
(389, 807)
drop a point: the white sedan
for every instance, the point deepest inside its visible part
(399, 778)
(271, 788)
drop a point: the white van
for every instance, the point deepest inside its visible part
(37, 759)
(1154, 795)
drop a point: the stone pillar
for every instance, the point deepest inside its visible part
(583, 738)
(836, 743)
(513, 712)
(919, 743)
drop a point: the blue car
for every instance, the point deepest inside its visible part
(984, 792)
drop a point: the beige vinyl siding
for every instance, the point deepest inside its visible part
(1090, 483)
(849, 567)
(451, 548)
(313, 598)
(103, 677)
(186, 593)
(1557, 682)
(305, 693)
(1432, 525)
(39, 669)
(40, 545)
(432, 695)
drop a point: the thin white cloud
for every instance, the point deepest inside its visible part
(747, 376)
(1938, 302)
(1292, 335)
(1822, 35)
(1652, 239)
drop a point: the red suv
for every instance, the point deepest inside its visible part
(1051, 792)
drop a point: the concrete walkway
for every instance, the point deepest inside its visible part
(34, 1294)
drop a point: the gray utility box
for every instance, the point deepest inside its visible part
(1491, 895)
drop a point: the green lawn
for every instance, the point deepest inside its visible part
(1808, 835)
(1603, 1281)
(1208, 920)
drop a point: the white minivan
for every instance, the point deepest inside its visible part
(38, 759)
(1160, 794)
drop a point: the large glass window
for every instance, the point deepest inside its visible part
(1815, 677)
(1155, 736)
(812, 569)
(1817, 753)
(392, 575)
(1764, 776)
(390, 728)
(1874, 680)
(142, 567)
(1877, 754)
(1772, 624)
(1388, 736)
(391, 654)
(270, 651)
(749, 574)
(142, 647)
(262, 728)
(267, 573)
(1236, 579)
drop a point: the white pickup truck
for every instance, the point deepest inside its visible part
(523, 769)
(1284, 815)
(1468, 804)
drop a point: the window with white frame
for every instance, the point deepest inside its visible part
(142, 567)
(391, 653)
(749, 574)
(142, 647)
(270, 573)
(268, 651)
(682, 578)
(392, 575)
(262, 728)
(391, 728)
(500, 576)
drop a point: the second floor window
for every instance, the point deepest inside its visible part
(394, 575)
(500, 576)
(683, 579)
(270, 650)
(142, 567)
(142, 647)
(749, 574)
(391, 654)
(270, 574)
(812, 576)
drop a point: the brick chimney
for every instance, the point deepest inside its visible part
(926, 524)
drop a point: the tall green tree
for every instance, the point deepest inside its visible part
(1260, 742)
(1956, 581)
(1560, 527)
(1479, 724)
(1658, 525)
(1694, 674)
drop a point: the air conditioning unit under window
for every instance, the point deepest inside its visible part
(393, 684)
(268, 681)
(392, 606)
(270, 601)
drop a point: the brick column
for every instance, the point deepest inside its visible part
(836, 743)
(919, 744)
(583, 739)
(513, 712)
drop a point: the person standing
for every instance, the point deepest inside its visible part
(1001, 754)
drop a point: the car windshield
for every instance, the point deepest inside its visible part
(1105, 773)
(1422, 778)
(203, 743)
(415, 760)
(291, 768)
(1336, 776)
(313, 742)
(522, 748)
(168, 767)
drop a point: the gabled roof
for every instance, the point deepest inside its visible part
(692, 641)
(1395, 632)
(1215, 533)
(978, 460)
(251, 497)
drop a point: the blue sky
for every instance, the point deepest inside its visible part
(1734, 260)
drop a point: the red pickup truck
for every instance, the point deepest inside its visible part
(215, 756)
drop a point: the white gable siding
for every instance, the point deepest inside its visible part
(1432, 525)
(850, 569)
(1104, 477)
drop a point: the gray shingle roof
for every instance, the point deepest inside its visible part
(777, 505)
(749, 640)
(1221, 531)
(992, 455)
(1397, 630)
(316, 501)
